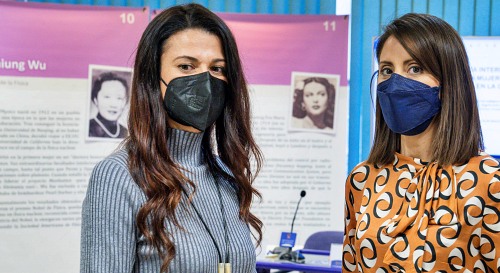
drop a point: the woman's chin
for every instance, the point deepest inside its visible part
(110, 118)
(315, 114)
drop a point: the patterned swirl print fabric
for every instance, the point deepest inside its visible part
(417, 217)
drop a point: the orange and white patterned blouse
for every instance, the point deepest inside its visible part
(411, 216)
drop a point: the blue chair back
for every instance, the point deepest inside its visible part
(322, 240)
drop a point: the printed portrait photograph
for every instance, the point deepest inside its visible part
(313, 102)
(108, 100)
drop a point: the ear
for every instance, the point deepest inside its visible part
(94, 100)
(303, 106)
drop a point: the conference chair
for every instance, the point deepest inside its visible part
(322, 240)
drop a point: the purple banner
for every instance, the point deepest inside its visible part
(272, 46)
(52, 40)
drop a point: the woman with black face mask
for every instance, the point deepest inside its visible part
(427, 199)
(165, 202)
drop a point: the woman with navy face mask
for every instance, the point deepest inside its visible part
(165, 202)
(427, 199)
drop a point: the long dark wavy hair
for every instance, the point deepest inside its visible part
(150, 162)
(438, 48)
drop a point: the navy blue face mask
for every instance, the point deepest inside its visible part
(408, 106)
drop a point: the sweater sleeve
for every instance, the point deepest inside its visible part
(108, 236)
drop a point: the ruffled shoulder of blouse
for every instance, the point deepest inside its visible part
(482, 164)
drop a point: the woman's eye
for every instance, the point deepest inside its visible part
(219, 70)
(385, 71)
(185, 67)
(415, 70)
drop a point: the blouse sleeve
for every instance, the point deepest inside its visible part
(108, 236)
(349, 253)
(490, 237)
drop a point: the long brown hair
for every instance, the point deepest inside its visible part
(438, 48)
(150, 162)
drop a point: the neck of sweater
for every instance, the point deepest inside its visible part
(185, 147)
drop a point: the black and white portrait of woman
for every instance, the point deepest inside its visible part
(313, 101)
(109, 97)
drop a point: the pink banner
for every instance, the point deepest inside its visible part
(272, 46)
(35, 45)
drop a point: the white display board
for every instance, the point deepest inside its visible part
(484, 58)
(46, 110)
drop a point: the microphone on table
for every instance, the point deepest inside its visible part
(288, 240)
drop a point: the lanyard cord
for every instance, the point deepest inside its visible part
(224, 223)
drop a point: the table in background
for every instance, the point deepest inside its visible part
(309, 267)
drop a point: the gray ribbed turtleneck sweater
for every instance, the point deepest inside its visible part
(111, 242)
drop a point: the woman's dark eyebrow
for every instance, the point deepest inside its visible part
(218, 60)
(193, 59)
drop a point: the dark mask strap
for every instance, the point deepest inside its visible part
(374, 76)
(163, 82)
